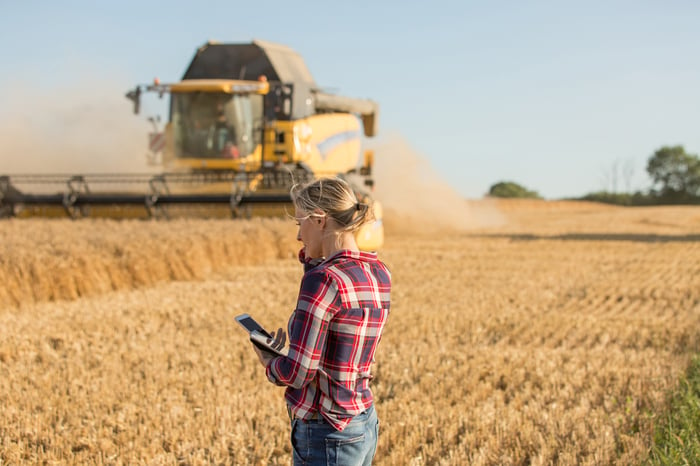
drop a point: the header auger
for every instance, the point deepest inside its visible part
(245, 122)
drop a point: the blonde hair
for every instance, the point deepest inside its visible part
(335, 199)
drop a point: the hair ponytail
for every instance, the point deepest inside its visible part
(335, 199)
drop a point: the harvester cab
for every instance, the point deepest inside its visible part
(245, 122)
(213, 123)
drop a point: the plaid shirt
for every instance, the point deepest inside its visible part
(334, 331)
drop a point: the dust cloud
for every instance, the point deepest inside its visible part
(78, 129)
(416, 199)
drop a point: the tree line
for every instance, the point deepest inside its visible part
(675, 176)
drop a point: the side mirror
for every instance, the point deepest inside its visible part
(135, 97)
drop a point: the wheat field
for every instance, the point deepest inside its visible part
(550, 336)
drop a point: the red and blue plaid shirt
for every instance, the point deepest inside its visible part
(333, 334)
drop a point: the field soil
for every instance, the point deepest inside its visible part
(521, 333)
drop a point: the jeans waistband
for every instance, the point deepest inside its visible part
(316, 416)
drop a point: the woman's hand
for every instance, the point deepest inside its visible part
(264, 356)
(280, 338)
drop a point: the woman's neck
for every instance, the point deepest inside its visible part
(335, 243)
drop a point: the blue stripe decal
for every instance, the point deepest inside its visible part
(327, 145)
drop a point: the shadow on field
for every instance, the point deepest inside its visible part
(643, 238)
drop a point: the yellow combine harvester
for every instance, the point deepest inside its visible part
(246, 122)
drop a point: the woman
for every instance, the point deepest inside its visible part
(341, 310)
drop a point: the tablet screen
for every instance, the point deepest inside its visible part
(250, 324)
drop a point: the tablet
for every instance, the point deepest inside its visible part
(250, 324)
(259, 336)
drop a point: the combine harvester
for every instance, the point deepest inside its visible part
(246, 122)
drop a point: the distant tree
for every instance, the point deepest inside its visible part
(676, 173)
(637, 198)
(511, 189)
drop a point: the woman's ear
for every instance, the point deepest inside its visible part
(320, 219)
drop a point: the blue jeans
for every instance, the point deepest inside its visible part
(316, 442)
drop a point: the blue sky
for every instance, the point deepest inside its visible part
(557, 96)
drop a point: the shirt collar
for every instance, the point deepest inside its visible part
(348, 254)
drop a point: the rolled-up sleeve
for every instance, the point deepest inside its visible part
(308, 328)
(270, 375)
